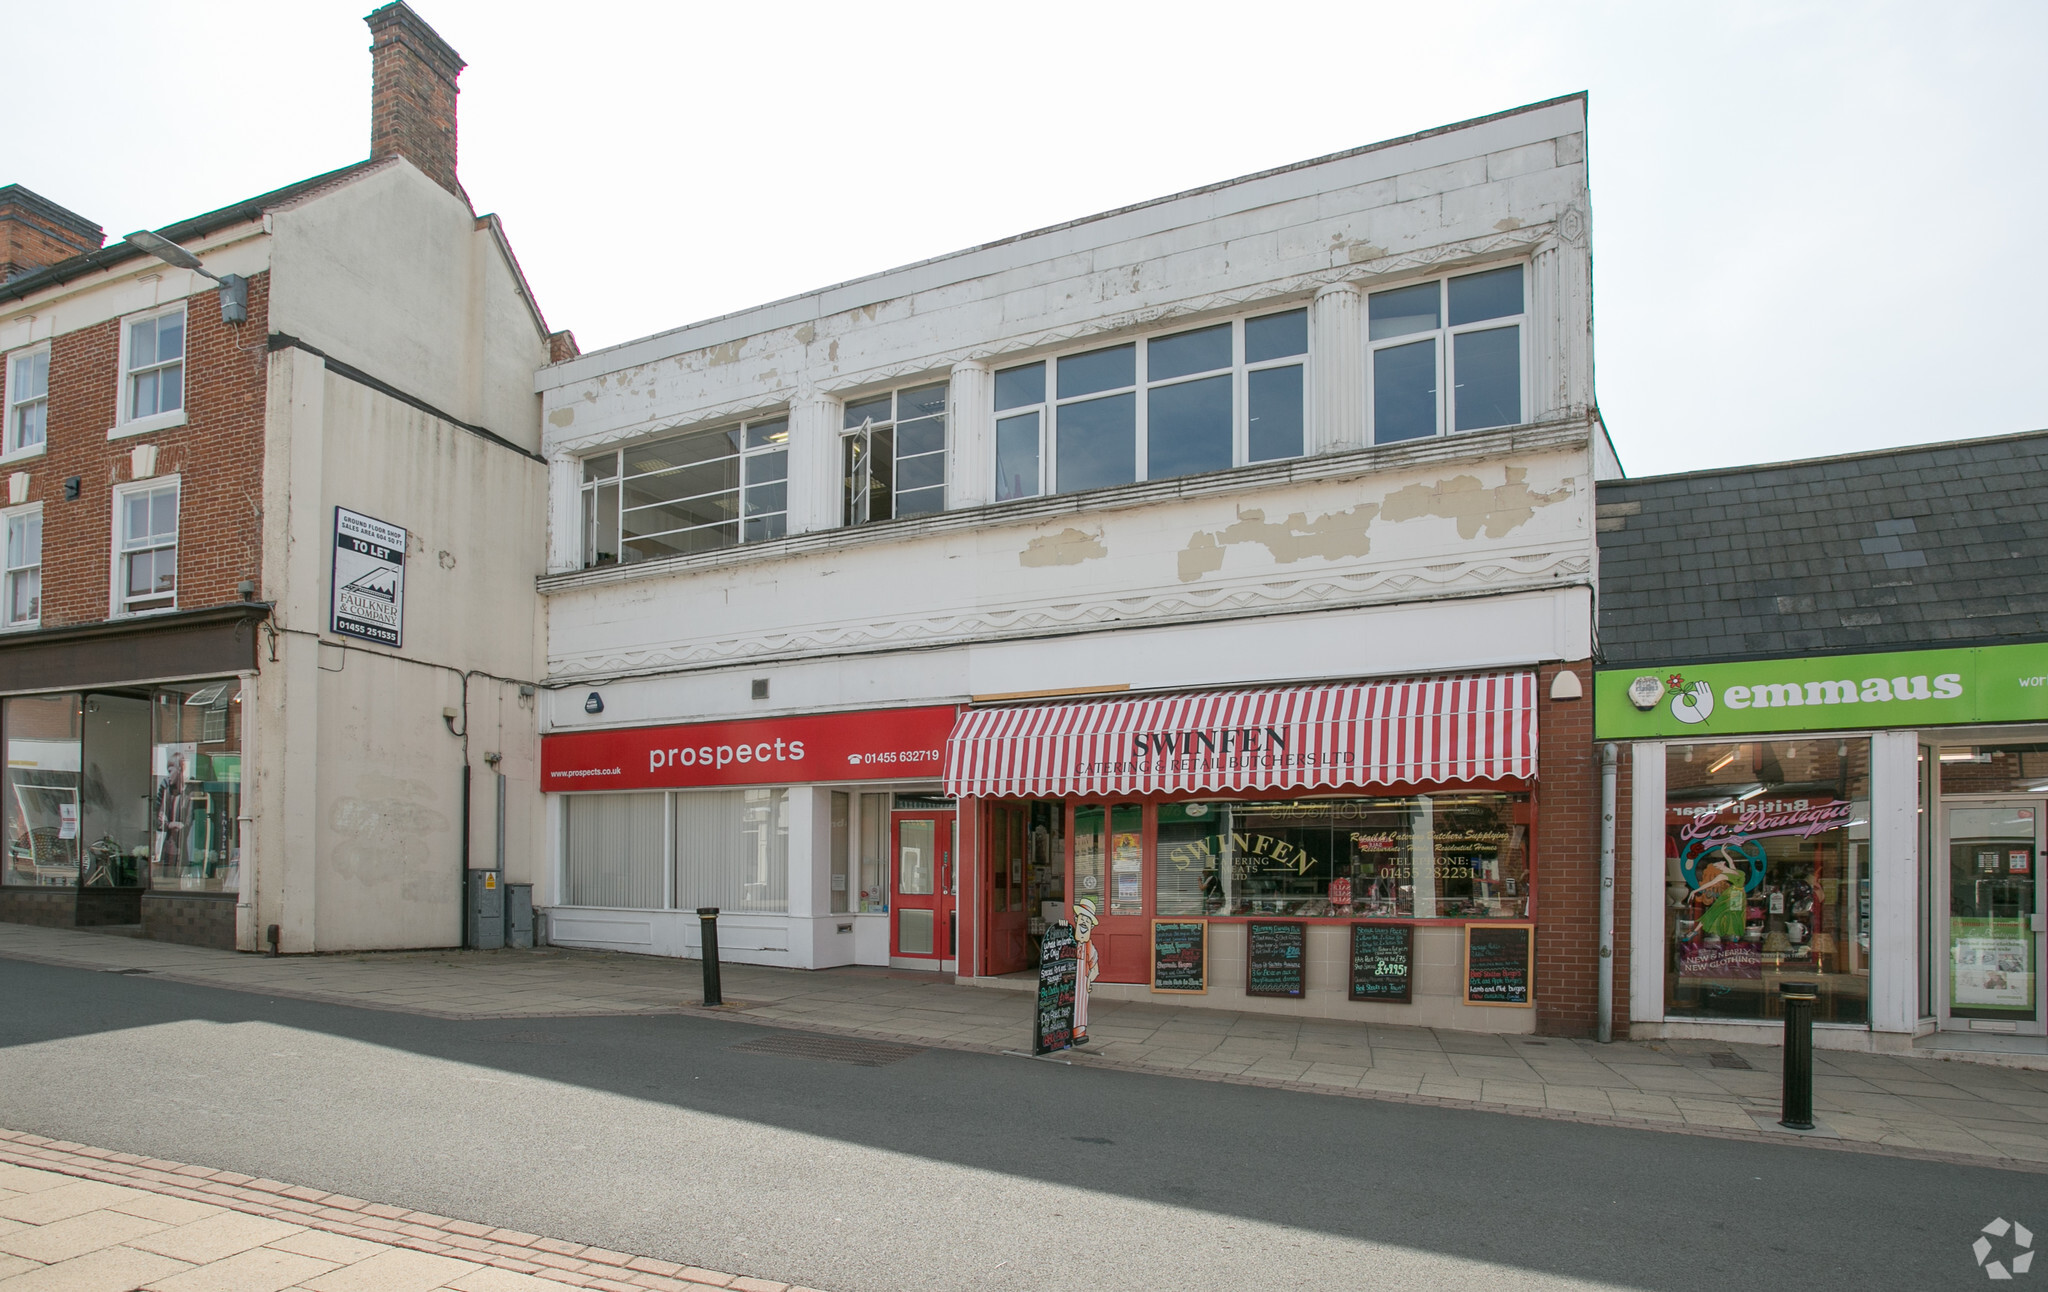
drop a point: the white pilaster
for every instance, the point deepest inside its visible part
(815, 471)
(971, 426)
(1336, 343)
(1894, 881)
(565, 513)
(1646, 882)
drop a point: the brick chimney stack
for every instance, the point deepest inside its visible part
(412, 95)
(35, 232)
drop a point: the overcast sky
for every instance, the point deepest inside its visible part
(1815, 226)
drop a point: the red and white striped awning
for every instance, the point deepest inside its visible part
(1424, 731)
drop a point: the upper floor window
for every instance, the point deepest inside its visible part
(689, 493)
(28, 399)
(146, 553)
(894, 452)
(23, 590)
(153, 365)
(1446, 354)
(1201, 400)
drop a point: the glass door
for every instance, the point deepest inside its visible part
(1007, 918)
(1112, 865)
(921, 916)
(1994, 919)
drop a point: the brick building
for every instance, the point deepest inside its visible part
(267, 520)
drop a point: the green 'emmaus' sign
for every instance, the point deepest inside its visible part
(1836, 692)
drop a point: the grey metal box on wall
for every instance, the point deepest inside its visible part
(485, 926)
(519, 916)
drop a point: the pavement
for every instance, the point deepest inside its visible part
(833, 1159)
(76, 1218)
(1916, 1106)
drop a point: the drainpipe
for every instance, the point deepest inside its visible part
(1608, 758)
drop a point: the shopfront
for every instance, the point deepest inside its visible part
(1295, 817)
(121, 802)
(1871, 824)
(822, 838)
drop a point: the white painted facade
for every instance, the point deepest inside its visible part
(1353, 560)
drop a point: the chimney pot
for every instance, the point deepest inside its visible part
(412, 94)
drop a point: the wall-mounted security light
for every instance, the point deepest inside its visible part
(593, 703)
(234, 289)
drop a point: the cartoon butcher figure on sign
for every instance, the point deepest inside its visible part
(1089, 967)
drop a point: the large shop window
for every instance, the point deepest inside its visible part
(1459, 855)
(1201, 400)
(41, 784)
(730, 850)
(690, 493)
(1767, 877)
(1467, 329)
(196, 760)
(894, 452)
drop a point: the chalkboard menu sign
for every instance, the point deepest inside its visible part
(1180, 956)
(1382, 962)
(1274, 962)
(1499, 960)
(1056, 970)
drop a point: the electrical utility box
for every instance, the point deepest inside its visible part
(485, 926)
(519, 916)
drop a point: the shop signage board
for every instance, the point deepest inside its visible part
(1499, 964)
(1824, 693)
(874, 744)
(369, 579)
(1058, 962)
(1382, 963)
(1275, 962)
(1180, 956)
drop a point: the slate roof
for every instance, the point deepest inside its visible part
(1935, 545)
(183, 231)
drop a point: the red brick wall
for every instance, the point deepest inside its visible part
(218, 452)
(1568, 867)
(412, 95)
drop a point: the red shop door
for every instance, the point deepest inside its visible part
(1006, 864)
(1113, 865)
(921, 917)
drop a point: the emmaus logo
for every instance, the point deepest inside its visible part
(1694, 702)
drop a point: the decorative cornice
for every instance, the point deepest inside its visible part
(1425, 579)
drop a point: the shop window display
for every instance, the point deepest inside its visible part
(1450, 856)
(197, 803)
(1767, 877)
(41, 788)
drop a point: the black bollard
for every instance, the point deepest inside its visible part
(1797, 1102)
(709, 915)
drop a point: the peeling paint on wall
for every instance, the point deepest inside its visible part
(1068, 547)
(1331, 536)
(1475, 508)
(805, 334)
(562, 417)
(719, 355)
(1472, 505)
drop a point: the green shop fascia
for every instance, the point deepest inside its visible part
(1765, 832)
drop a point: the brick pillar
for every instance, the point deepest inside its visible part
(412, 95)
(1568, 866)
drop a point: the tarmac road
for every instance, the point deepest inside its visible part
(949, 1170)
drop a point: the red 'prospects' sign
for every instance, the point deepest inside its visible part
(879, 744)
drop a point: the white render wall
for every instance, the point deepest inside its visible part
(1504, 188)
